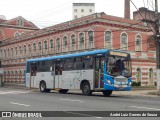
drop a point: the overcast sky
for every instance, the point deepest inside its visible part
(49, 12)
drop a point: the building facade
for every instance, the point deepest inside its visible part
(82, 9)
(94, 31)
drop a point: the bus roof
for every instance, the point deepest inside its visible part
(72, 55)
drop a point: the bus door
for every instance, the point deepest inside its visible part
(99, 72)
(33, 70)
(58, 74)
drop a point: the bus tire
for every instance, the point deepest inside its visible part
(107, 93)
(43, 87)
(63, 91)
(86, 89)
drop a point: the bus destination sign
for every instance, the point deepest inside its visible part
(118, 53)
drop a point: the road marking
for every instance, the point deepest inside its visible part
(72, 100)
(13, 92)
(82, 114)
(19, 104)
(145, 108)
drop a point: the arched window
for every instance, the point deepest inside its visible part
(20, 21)
(5, 54)
(151, 76)
(57, 45)
(9, 75)
(20, 74)
(16, 74)
(107, 39)
(25, 50)
(20, 50)
(138, 43)
(124, 41)
(73, 42)
(34, 47)
(45, 45)
(29, 49)
(16, 51)
(12, 74)
(51, 44)
(65, 44)
(81, 41)
(8, 53)
(90, 39)
(16, 35)
(39, 47)
(138, 75)
(12, 51)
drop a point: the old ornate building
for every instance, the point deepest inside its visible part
(95, 31)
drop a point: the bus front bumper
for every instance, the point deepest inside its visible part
(117, 87)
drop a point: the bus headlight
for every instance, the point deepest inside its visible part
(108, 81)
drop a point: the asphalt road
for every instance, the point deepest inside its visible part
(26, 100)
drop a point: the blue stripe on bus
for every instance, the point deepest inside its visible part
(72, 55)
(69, 55)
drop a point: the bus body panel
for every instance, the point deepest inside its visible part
(72, 79)
(35, 80)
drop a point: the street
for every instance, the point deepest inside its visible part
(27, 100)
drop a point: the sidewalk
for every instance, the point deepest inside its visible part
(148, 93)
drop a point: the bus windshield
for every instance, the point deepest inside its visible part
(118, 65)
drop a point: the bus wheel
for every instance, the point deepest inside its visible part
(43, 87)
(63, 91)
(86, 89)
(107, 93)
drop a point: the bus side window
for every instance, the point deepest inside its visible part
(68, 64)
(88, 62)
(78, 64)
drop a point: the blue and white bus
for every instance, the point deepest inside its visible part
(91, 71)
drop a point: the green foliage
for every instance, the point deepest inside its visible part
(136, 83)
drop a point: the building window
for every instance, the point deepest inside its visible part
(51, 44)
(73, 42)
(20, 50)
(65, 44)
(25, 50)
(8, 53)
(90, 10)
(16, 35)
(29, 49)
(39, 47)
(124, 41)
(138, 43)
(138, 75)
(5, 54)
(34, 47)
(45, 45)
(16, 50)
(20, 22)
(57, 45)
(107, 39)
(82, 10)
(151, 76)
(12, 51)
(75, 10)
(81, 41)
(90, 39)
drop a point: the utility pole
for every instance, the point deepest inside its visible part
(157, 41)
